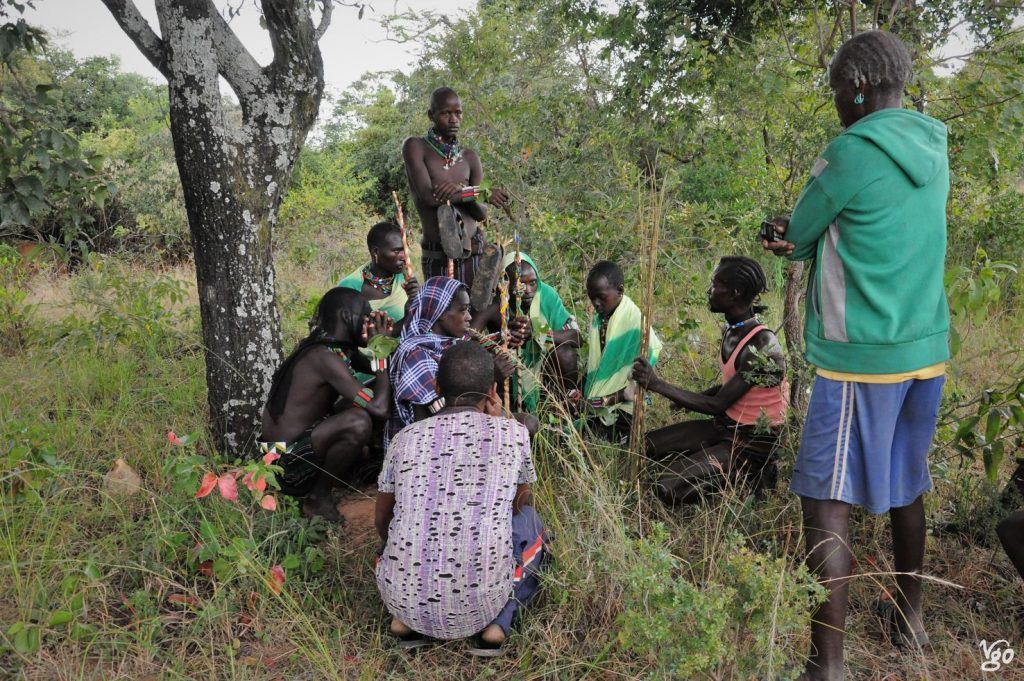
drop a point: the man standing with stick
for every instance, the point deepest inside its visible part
(444, 178)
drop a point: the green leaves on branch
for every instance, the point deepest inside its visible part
(973, 292)
(42, 167)
(380, 346)
(997, 425)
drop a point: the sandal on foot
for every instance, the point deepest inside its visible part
(481, 648)
(413, 641)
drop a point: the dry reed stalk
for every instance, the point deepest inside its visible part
(650, 215)
(405, 240)
(503, 313)
(519, 303)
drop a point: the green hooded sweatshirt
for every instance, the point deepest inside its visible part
(873, 217)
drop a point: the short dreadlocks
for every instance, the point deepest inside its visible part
(876, 58)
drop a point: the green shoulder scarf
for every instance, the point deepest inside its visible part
(394, 304)
(608, 371)
(546, 311)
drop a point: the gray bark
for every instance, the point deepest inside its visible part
(233, 177)
(793, 328)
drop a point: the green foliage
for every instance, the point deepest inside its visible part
(665, 615)
(974, 292)
(29, 465)
(116, 307)
(42, 167)
(15, 313)
(735, 621)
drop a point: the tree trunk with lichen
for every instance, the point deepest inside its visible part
(794, 330)
(233, 176)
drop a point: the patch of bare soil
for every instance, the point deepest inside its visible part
(358, 509)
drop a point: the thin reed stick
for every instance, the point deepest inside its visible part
(519, 289)
(503, 312)
(405, 238)
(650, 216)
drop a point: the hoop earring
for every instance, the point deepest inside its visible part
(859, 99)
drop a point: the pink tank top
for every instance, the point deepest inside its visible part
(773, 401)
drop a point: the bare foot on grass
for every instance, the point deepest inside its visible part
(323, 507)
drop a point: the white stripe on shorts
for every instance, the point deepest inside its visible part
(843, 441)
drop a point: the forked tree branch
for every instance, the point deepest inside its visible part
(135, 26)
(234, 61)
(325, 19)
(292, 36)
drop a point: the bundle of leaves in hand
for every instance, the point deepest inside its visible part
(380, 346)
(542, 333)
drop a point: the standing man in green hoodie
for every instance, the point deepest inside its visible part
(873, 219)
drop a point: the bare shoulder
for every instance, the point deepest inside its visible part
(765, 339)
(413, 144)
(470, 155)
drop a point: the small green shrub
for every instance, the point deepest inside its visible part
(16, 315)
(113, 306)
(738, 621)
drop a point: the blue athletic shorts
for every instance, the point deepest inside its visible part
(867, 443)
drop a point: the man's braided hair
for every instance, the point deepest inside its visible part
(338, 305)
(876, 58)
(746, 277)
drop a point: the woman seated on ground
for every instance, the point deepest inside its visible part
(748, 407)
(551, 356)
(317, 445)
(438, 318)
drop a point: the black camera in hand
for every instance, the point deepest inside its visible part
(768, 232)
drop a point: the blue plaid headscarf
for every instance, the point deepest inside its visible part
(414, 363)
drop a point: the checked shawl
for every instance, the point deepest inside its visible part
(414, 363)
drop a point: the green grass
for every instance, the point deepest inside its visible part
(94, 586)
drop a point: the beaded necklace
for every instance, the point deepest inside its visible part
(739, 325)
(451, 152)
(382, 284)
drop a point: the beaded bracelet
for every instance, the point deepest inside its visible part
(363, 397)
(378, 365)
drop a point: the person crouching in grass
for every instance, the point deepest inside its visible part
(616, 335)
(462, 548)
(747, 408)
(317, 445)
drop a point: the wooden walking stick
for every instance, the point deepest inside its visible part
(519, 289)
(650, 230)
(503, 313)
(405, 239)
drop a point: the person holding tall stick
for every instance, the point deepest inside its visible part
(386, 281)
(443, 177)
(747, 408)
(615, 339)
(544, 332)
